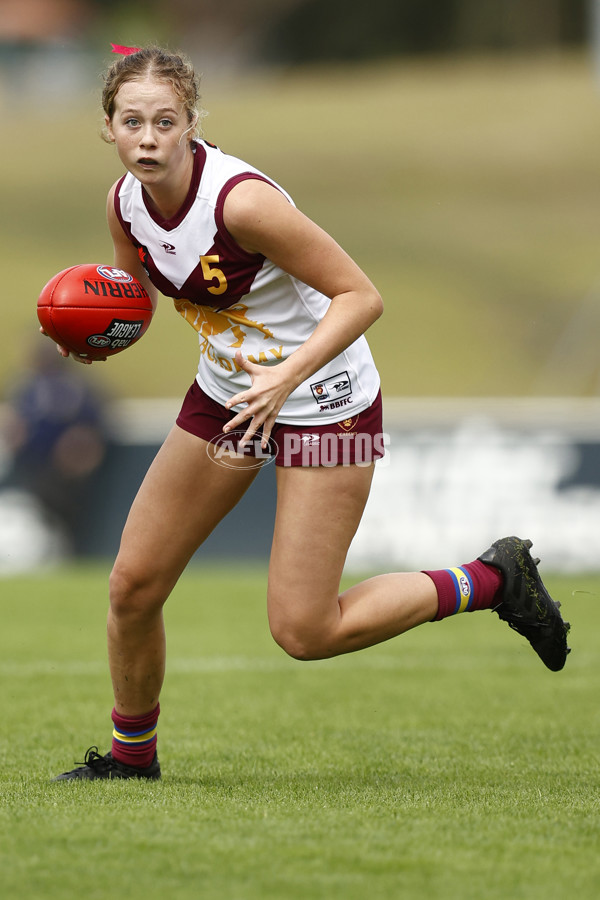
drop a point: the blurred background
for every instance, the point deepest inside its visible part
(451, 146)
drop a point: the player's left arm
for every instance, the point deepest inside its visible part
(262, 220)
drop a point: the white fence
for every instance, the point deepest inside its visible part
(463, 473)
(459, 474)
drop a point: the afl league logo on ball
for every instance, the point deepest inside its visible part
(98, 340)
(114, 274)
(119, 334)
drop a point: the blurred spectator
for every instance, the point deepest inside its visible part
(42, 20)
(56, 434)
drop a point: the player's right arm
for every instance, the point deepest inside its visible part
(126, 255)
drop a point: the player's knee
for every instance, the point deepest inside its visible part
(132, 593)
(298, 642)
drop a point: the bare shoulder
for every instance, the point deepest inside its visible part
(260, 217)
(262, 220)
(247, 193)
(251, 202)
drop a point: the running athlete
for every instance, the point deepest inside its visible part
(280, 311)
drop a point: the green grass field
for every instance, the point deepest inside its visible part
(446, 764)
(468, 190)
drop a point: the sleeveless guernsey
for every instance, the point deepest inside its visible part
(238, 300)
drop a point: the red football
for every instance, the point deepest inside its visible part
(94, 310)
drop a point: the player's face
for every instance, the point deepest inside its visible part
(149, 128)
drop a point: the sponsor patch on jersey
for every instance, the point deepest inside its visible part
(120, 333)
(332, 389)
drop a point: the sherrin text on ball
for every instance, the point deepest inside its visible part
(94, 310)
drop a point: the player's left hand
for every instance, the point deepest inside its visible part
(269, 391)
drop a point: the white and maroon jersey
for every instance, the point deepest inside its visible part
(239, 300)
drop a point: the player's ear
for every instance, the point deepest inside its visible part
(191, 130)
(108, 129)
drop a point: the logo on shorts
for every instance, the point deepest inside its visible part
(114, 274)
(348, 424)
(227, 450)
(332, 392)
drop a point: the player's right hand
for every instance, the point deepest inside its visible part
(65, 353)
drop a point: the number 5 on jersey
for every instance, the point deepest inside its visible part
(212, 273)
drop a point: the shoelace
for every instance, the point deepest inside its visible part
(93, 759)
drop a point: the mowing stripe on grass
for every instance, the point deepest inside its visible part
(215, 664)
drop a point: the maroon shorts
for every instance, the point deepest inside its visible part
(357, 440)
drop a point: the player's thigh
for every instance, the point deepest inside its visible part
(185, 494)
(318, 512)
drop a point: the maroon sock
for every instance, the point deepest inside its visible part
(467, 588)
(134, 738)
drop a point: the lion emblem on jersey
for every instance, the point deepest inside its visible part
(209, 322)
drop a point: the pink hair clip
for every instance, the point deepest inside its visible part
(125, 51)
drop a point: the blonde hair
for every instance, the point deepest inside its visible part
(163, 66)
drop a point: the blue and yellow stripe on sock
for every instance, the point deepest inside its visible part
(134, 738)
(463, 587)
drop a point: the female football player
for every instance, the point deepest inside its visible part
(280, 312)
